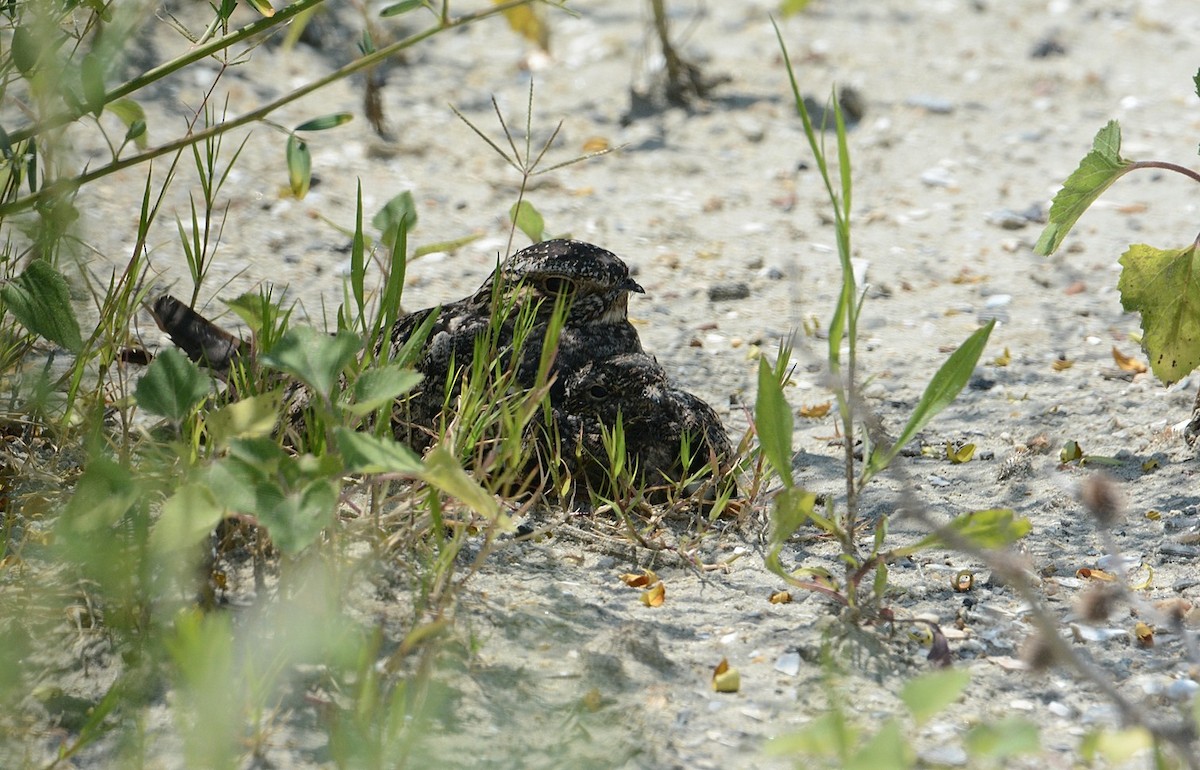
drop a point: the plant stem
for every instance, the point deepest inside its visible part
(168, 68)
(1189, 173)
(29, 201)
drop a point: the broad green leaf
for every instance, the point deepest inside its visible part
(1164, 286)
(187, 518)
(992, 528)
(1095, 174)
(381, 385)
(294, 520)
(443, 471)
(252, 308)
(929, 693)
(325, 122)
(91, 75)
(885, 750)
(829, 735)
(40, 300)
(792, 509)
(1115, 746)
(1005, 738)
(387, 219)
(172, 386)
(299, 163)
(528, 220)
(773, 420)
(252, 417)
(945, 386)
(131, 114)
(402, 7)
(105, 491)
(25, 49)
(313, 357)
(365, 453)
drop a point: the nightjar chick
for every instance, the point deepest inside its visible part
(655, 416)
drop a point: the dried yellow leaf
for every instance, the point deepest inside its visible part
(1062, 364)
(1126, 363)
(596, 144)
(960, 455)
(813, 411)
(1144, 634)
(655, 595)
(781, 597)
(1150, 465)
(1004, 359)
(1153, 515)
(526, 21)
(726, 679)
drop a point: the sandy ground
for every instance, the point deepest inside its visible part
(962, 124)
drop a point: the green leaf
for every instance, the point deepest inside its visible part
(1164, 286)
(252, 308)
(401, 208)
(528, 220)
(1095, 174)
(315, 358)
(885, 750)
(40, 300)
(326, 122)
(403, 7)
(929, 693)
(791, 7)
(172, 385)
(299, 163)
(829, 735)
(25, 49)
(187, 518)
(999, 740)
(773, 420)
(263, 7)
(381, 385)
(294, 520)
(105, 491)
(133, 116)
(945, 386)
(252, 417)
(365, 453)
(91, 75)
(992, 528)
(443, 471)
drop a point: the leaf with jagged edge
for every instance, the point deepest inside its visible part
(1096, 173)
(1164, 286)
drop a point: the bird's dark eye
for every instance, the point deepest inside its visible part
(597, 392)
(555, 286)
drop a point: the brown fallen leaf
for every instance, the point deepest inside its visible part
(635, 580)
(1144, 634)
(814, 411)
(1126, 363)
(1086, 573)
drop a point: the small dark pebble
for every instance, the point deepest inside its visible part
(979, 382)
(1047, 47)
(524, 530)
(723, 292)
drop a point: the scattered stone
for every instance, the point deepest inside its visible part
(788, 663)
(1047, 47)
(932, 104)
(938, 176)
(725, 292)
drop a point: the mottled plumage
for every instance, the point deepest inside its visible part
(655, 418)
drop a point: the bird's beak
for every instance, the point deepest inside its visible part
(632, 285)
